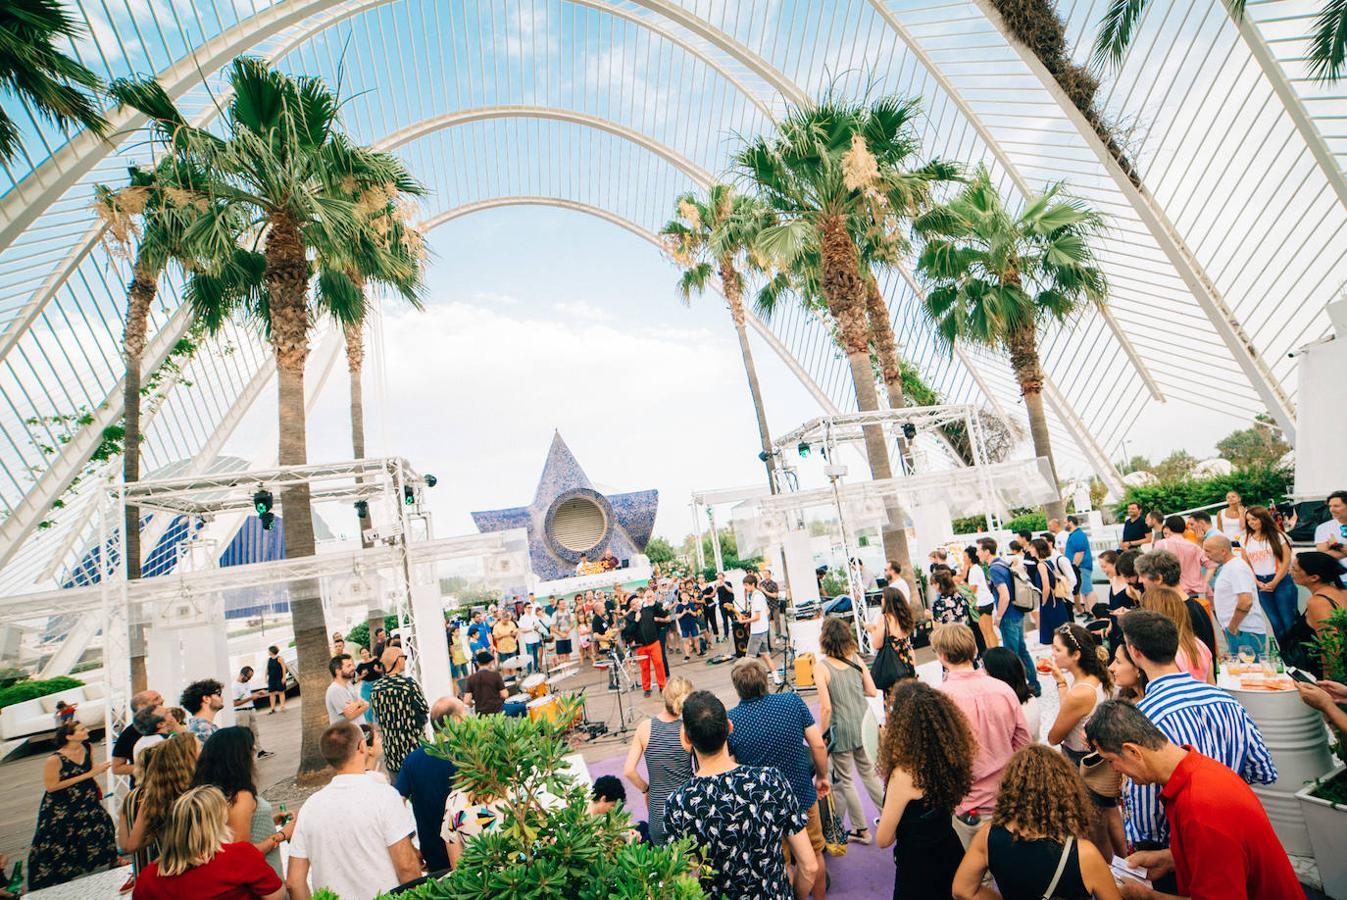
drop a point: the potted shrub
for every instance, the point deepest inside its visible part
(548, 845)
(1323, 802)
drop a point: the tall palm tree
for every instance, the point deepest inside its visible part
(995, 278)
(149, 222)
(1327, 56)
(284, 167)
(56, 86)
(711, 236)
(828, 167)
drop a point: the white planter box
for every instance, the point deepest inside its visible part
(1327, 825)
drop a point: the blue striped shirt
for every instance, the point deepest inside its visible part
(1193, 712)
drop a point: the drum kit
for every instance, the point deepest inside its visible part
(537, 695)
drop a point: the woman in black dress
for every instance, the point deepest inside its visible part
(75, 834)
(927, 758)
(275, 679)
(1041, 812)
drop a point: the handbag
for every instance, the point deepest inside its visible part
(834, 832)
(888, 668)
(1100, 777)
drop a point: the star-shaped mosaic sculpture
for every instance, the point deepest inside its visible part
(628, 519)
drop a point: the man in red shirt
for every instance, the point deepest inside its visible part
(1221, 844)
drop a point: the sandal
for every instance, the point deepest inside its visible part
(860, 837)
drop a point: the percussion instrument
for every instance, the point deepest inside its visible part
(515, 662)
(561, 673)
(547, 707)
(515, 708)
(534, 685)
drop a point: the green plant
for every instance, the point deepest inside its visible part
(660, 551)
(1256, 484)
(46, 80)
(359, 634)
(1331, 644)
(1259, 445)
(29, 689)
(547, 845)
(1027, 521)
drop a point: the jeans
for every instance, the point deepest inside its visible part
(1012, 636)
(1255, 642)
(535, 651)
(1281, 605)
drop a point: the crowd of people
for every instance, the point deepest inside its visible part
(1144, 758)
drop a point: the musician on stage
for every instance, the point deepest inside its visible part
(642, 631)
(757, 618)
(603, 626)
(725, 600)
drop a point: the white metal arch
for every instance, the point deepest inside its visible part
(644, 233)
(1185, 263)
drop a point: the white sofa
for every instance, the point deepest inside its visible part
(37, 716)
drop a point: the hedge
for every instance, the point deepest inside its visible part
(359, 634)
(30, 690)
(1257, 485)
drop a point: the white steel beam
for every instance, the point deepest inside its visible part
(1186, 264)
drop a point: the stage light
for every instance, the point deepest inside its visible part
(408, 495)
(262, 502)
(362, 509)
(431, 481)
(803, 449)
(764, 456)
(909, 430)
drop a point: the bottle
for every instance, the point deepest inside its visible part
(1274, 657)
(16, 880)
(285, 816)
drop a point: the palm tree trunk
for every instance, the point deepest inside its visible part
(287, 277)
(355, 360)
(886, 348)
(729, 286)
(1023, 347)
(141, 293)
(842, 286)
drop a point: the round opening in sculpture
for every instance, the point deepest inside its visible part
(579, 524)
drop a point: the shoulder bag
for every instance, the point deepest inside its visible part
(1023, 594)
(1061, 867)
(888, 668)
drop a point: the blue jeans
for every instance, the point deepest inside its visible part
(536, 652)
(1281, 605)
(1012, 636)
(1255, 642)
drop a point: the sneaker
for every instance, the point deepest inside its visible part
(647, 693)
(776, 678)
(265, 754)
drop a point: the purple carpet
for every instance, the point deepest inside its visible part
(863, 874)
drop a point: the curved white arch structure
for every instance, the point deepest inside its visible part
(1221, 259)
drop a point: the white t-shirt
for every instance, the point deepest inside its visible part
(1059, 540)
(977, 581)
(1331, 532)
(243, 692)
(529, 628)
(351, 856)
(757, 606)
(1260, 557)
(1033, 718)
(1065, 570)
(148, 740)
(1233, 579)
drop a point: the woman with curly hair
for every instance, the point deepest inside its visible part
(169, 766)
(927, 759)
(1040, 814)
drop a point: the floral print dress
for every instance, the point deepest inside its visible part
(951, 610)
(75, 834)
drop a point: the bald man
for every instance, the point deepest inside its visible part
(426, 781)
(122, 763)
(1235, 598)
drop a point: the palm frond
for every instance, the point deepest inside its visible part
(1328, 42)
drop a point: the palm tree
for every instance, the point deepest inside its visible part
(708, 237)
(829, 167)
(995, 278)
(151, 217)
(1327, 56)
(57, 87)
(284, 167)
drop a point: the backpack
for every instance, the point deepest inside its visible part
(1067, 574)
(1023, 594)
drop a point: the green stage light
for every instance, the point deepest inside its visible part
(408, 495)
(803, 450)
(764, 456)
(262, 502)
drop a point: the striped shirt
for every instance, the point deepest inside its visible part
(1194, 713)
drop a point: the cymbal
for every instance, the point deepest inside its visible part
(514, 662)
(562, 673)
